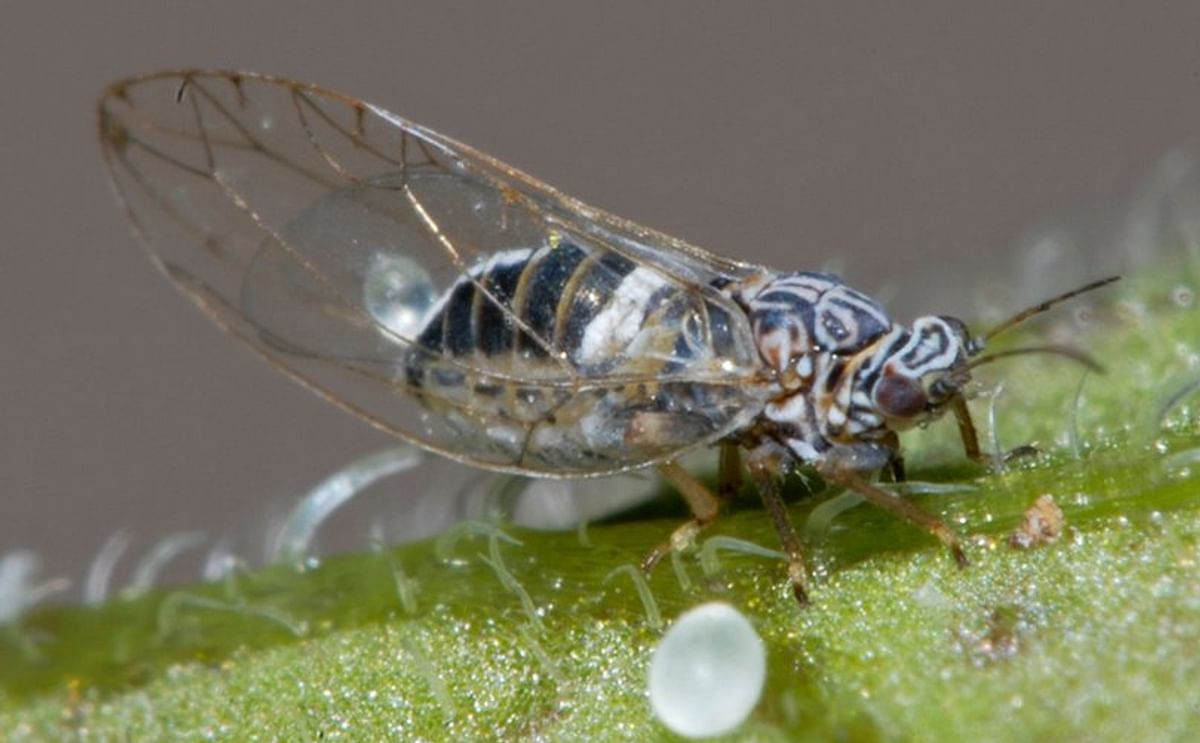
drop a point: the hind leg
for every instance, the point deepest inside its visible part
(704, 505)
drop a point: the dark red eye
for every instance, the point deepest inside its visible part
(900, 397)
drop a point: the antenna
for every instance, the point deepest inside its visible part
(1038, 309)
(1071, 353)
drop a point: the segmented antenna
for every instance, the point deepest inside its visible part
(1072, 353)
(1038, 309)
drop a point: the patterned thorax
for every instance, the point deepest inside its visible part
(797, 317)
(845, 371)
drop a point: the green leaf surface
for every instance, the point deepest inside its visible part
(1095, 636)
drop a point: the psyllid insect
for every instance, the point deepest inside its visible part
(458, 303)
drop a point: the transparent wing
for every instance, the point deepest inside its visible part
(436, 292)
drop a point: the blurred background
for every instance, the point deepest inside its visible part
(934, 154)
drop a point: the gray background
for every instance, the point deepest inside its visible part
(909, 146)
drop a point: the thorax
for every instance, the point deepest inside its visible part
(824, 344)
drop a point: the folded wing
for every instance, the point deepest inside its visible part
(436, 292)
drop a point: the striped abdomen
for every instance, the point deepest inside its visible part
(556, 293)
(507, 342)
(563, 359)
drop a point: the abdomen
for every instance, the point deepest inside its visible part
(570, 359)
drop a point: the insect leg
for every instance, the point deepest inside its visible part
(767, 483)
(970, 440)
(896, 463)
(729, 471)
(966, 431)
(700, 499)
(840, 470)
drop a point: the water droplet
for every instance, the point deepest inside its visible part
(397, 292)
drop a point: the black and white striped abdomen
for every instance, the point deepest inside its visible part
(562, 355)
(536, 303)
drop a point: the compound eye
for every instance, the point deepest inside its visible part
(941, 389)
(900, 397)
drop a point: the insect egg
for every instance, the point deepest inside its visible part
(707, 672)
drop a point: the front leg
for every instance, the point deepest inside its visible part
(896, 463)
(970, 440)
(847, 465)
